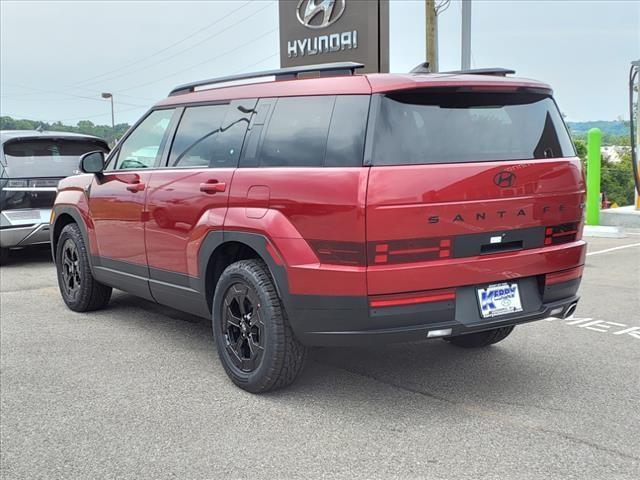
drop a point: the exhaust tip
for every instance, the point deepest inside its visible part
(570, 310)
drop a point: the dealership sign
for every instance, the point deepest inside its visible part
(321, 31)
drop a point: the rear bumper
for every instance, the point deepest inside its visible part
(20, 228)
(350, 320)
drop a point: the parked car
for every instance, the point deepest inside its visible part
(344, 209)
(31, 165)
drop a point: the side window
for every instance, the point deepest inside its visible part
(345, 146)
(196, 136)
(211, 136)
(297, 132)
(142, 147)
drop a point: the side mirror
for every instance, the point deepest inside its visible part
(92, 162)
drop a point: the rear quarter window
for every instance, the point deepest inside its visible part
(297, 133)
(315, 131)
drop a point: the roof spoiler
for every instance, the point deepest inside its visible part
(496, 71)
(289, 73)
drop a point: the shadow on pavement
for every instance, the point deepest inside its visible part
(431, 368)
(29, 256)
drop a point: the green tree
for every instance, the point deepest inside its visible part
(84, 126)
(617, 180)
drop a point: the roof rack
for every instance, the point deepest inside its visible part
(289, 73)
(497, 71)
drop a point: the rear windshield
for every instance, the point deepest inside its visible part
(452, 127)
(46, 157)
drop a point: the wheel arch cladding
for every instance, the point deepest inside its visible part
(222, 248)
(65, 216)
(61, 221)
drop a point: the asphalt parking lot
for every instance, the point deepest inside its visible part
(136, 390)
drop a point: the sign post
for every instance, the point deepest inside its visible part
(327, 31)
(594, 137)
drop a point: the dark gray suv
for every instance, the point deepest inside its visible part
(31, 164)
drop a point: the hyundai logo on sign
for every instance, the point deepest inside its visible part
(317, 14)
(319, 31)
(329, 11)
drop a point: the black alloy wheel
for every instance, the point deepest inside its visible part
(243, 327)
(71, 272)
(255, 342)
(80, 290)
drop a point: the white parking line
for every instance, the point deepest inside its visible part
(600, 326)
(613, 249)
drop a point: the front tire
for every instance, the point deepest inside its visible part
(80, 291)
(481, 339)
(255, 342)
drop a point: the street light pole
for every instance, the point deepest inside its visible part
(110, 97)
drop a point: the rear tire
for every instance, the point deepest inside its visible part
(80, 291)
(255, 342)
(480, 339)
(4, 256)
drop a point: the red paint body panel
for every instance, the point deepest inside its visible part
(117, 215)
(180, 215)
(381, 83)
(474, 270)
(72, 193)
(463, 199)
(352, 85)
(164, 224)
(305, 204)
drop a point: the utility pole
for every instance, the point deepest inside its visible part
(636, 144)
(465, 61)
(431, 37)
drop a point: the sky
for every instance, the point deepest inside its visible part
(56, 58)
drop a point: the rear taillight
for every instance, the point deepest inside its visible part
(402, 299)
(407, 251)
(44, 182)
(558, 234)
(17, 184)
(563, 276)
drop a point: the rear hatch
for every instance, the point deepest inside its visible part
(460, 178)
(32, 168)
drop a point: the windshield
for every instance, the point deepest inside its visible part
(452, 127)
(49, 157)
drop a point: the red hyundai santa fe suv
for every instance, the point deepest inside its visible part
(317, 206)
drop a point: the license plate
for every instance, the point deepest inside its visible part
(499, 299)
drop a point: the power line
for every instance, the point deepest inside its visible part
(158, 52)
(103, 114)
(61, 92)
(216, 57)
(39, 90)
(242, 70)
(165, 59)
(135, 108)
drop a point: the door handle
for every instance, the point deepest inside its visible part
(212, 187)
(136, 187)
